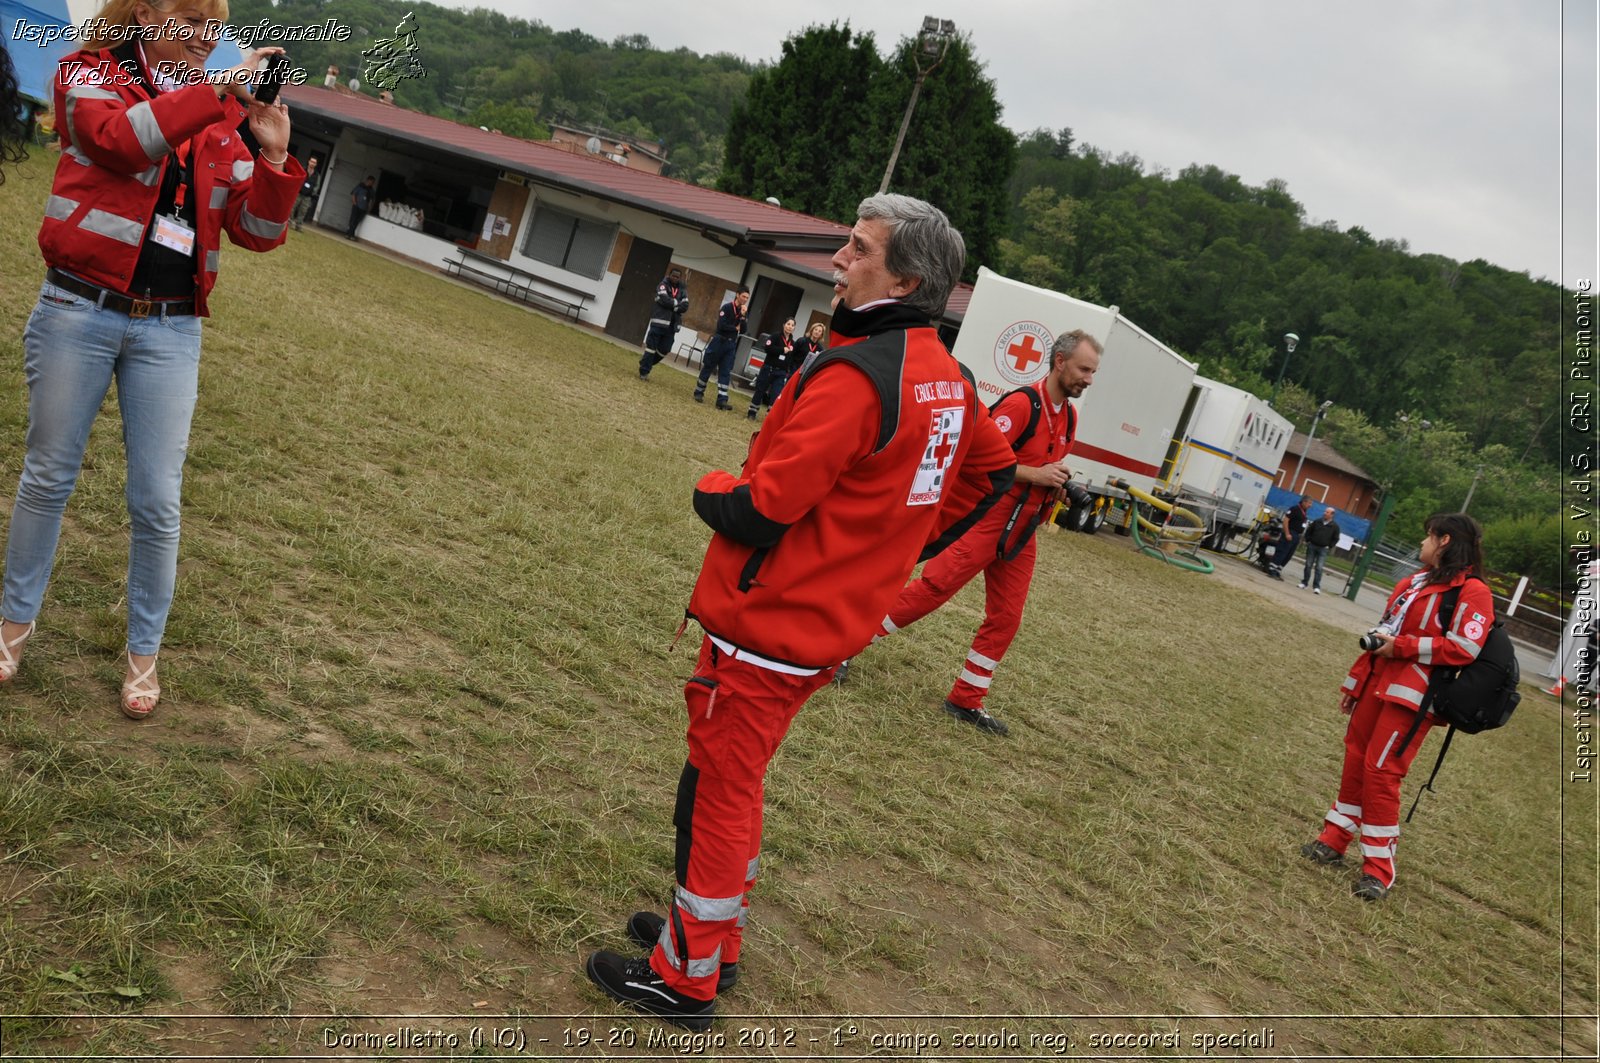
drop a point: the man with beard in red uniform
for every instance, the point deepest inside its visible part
(876, 457)
(1041, 427)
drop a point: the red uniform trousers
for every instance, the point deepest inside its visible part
(1369, 789)
(1005, 588)
(738, 715)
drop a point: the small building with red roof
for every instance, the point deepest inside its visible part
(572, 230)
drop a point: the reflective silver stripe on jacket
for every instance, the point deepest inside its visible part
(219, 198)
(267, 230)
(213, 259)
(148, 130)
(242, 171)
(83, 92)
(1425, 650)
(708, 909)
(123, 230)
(752, 867)
(59, 207)
(77, 156)
(1401, 692)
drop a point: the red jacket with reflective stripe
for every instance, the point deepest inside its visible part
(816, 538)
(1422, 641)
(1051, 440)
(117, 141)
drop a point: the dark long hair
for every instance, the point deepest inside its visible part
(13, 127)
(1464, 552)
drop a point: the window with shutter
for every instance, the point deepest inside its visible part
(569, 242)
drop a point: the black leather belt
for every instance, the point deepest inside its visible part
(124, 304)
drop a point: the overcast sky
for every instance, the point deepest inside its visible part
(1439, 122)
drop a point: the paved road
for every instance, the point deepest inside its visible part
(1333, 608)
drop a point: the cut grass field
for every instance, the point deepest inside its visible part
(423, 723)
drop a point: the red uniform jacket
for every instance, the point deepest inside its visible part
(843, 491)
(1051, 441)
(117, 140)
(1422, 641)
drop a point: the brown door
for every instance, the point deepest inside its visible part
(636, 290)
(506, 205)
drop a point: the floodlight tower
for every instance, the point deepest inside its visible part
(933, 41)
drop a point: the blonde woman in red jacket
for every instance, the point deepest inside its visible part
(1385, 689)
(153, 171)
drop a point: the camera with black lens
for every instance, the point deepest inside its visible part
(1372, 640)
(1076, 493)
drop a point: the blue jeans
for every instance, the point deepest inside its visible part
(1316, 557)
(71, 351)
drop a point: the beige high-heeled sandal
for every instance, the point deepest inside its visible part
(10, 661)
(141, 688)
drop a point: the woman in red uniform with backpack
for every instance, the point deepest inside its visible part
(1385, 689)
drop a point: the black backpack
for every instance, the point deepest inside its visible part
(1476, 697)
(1006, 548)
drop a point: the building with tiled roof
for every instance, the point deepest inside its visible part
(572, 231)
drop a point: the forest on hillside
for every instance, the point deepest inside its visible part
(1217, 269)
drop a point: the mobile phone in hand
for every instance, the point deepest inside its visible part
(272, 78)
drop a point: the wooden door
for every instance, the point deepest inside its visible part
(506, 207)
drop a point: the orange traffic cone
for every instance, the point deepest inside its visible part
(1560, 685)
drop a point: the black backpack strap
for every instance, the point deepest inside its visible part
(1447, 613)
(883, 368)
(1035, 411)
(1428, 786)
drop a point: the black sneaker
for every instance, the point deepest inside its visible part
(977, 717)
(1320, 852)
(645, 929)
(750, 413)
(723, 404)
(1368, 888)
(841, 673)
(634, 983)
(699, 396)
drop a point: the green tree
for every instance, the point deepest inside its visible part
(510, 119)
(784, 139)
(817, 128)
(956, 155)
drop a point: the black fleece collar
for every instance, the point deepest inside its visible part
(882, 318)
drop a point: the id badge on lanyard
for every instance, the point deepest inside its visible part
(170, 230)
(1390, 625)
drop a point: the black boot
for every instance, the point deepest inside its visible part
(633, 982)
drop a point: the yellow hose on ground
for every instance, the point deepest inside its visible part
(1187, 559)
(1191, 531)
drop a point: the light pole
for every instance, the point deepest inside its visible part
(1290, 341)
(1471, 489)
(932, 43)
(1322, 411)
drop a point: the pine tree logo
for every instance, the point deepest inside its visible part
(394, 59)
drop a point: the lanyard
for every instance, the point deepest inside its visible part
(181, 155)
(1051, 418)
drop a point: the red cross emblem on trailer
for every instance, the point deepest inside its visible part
(1022, 352)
